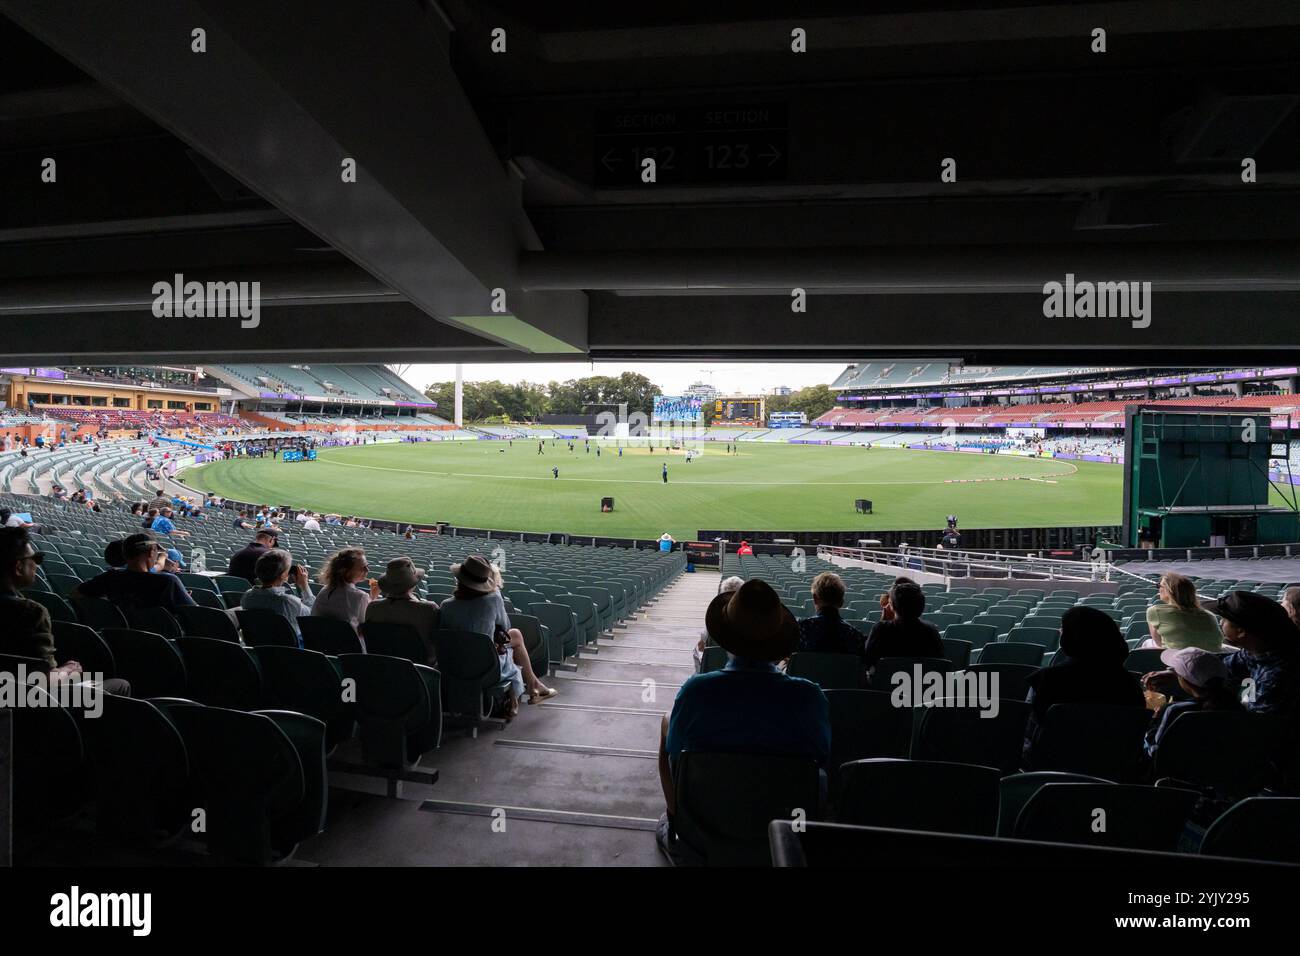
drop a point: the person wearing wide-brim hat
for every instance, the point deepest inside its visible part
(401, 605)
(477, 606)
(1267, 653)
(747, 707)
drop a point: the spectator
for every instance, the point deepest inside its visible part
(744, 548)
(243, 563)
(25, 628)
(1291, 601)
(1178, 621)
(1088, 669)
(141, 583)
(1202, 675)
(729, 585)
(827, 632)
(311, 524)
(163, 524)
(273, 570)
(900, 632)
(476, 605)
(666, 542)
(400, 605)
(242, 522)
(1267, 653)
(339, 597)
(747, 707)
(9, 519)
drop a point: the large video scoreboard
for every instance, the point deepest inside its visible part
(678, 408)
(740, 410)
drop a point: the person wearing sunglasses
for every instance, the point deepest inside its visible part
(25, 628)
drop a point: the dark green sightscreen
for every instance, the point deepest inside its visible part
(1197, 478)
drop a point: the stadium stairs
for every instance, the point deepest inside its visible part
(576, 776)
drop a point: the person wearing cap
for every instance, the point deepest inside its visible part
(274, 569)
(1267, 653)
(244, 561)
(744, 548)
(25, 626)
(1201, 674)
(141, 582)
(900, 632)
(747, 707)
(477, 606)
(1088, 669)
(1179, 621)
(399, 604)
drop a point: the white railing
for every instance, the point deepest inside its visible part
(952, 563)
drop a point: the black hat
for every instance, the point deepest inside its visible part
(1255, 614)
(1091, 636)
(135, 544)
(751, 622)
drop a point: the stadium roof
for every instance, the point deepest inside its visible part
(498, 210)
(905, 373)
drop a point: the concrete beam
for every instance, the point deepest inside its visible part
(433, 214)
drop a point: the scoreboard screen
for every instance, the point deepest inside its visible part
(740, 408)
(678, 408)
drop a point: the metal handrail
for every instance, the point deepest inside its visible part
(946, 562)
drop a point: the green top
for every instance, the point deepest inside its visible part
(1178, 628)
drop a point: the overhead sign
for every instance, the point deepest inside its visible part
(731, 143)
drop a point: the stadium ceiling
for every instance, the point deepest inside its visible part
(518, 172)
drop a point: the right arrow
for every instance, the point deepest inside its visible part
(771, 157)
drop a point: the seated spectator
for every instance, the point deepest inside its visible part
(163, 524)
(242, 523)
(339, 598)
(1178, 621)
(1200, 674)
(900, 632)
(476, 605)
(747, 707)
(886, 611)
(400, 604)
(243, 563)
(827, 632)
(311, 524)
(141, 583)
(1267, 653)
(744, 548)
(25, 628)
(730, 584)
(10, 520)
(273, 570)
(1088, 669)
(1291, 601)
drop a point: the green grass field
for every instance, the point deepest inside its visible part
(764, 487)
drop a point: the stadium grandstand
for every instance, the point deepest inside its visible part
(832, 438)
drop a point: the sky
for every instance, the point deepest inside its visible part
(672, 377)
